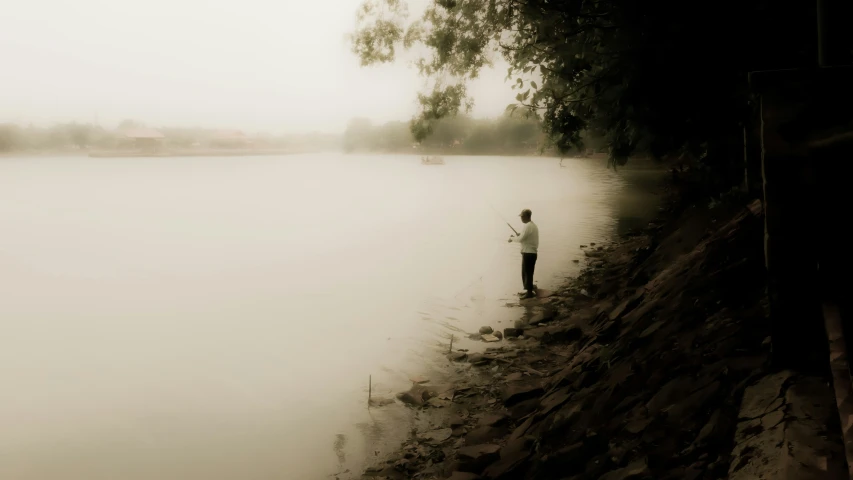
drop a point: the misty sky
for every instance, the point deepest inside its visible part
(259, 65)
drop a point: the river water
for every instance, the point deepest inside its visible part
(219, 318)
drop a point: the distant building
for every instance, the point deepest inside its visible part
(230, 139)
(142, 138)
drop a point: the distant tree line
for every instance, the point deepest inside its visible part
(506, 135)
(78, 136)
(57, 137)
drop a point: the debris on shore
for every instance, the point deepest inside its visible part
(636, 370)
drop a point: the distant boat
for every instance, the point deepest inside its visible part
(432, 161)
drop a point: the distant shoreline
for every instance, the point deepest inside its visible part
(160, 154)
(195, 153)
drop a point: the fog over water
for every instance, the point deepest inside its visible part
(218, 318)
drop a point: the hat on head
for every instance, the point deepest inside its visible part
(525, 213)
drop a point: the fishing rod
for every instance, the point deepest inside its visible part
(507, 223)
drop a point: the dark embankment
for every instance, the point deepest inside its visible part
(636, 370)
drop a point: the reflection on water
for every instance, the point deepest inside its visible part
(218, 318)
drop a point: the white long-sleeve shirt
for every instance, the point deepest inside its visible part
(529, 238)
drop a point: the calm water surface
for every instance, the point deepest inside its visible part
(218, 318)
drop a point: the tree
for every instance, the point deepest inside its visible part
(79, 134)
(356, 134)
(660, 77)
(128, 124)
(10, 137)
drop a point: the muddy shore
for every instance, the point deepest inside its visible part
(637, 369)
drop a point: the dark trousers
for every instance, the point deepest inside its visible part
(528, 264)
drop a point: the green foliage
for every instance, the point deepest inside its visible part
(657, 77)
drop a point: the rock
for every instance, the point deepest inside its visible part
(636, 469)
(566, 376)
(678, 412)
(478, 359)
(484, 434)
(493, 419)
(475, 458)
(491, 338)
(486, 330)
(416, 396)
(617, 454)
(595, 444)
(675, 389)
(543, 317)
(513, 377)
(523, 444)
(627, 305)
(512, 332)
(409, 399)
(761, 397)
(555, 333)
(464, 476)
(456, 356)
(499, 335)
(458, 431)
(597, 467)
(380, 401)
(519, 391)
(652, 329)
(436, 437)
(456, 421)
(567, 460)
(419, 379)
(554, 400)
(509, 467)
(521, 430)
(637, 425)
(524, 408)
(438, 402)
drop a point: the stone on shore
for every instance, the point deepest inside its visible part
(518, 392)
(637, 469)
(464, 476)
(476, 458)
(457, 356)
(478, 359)
(436, 437)
(510, 332)
(543, 317)
(486, 330)
(493, 419)
(555, 333)
(491, 338)
(416, 396)
(485, 434)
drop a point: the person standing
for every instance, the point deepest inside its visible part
(529, 240)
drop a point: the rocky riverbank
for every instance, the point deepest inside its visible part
(637, 369)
